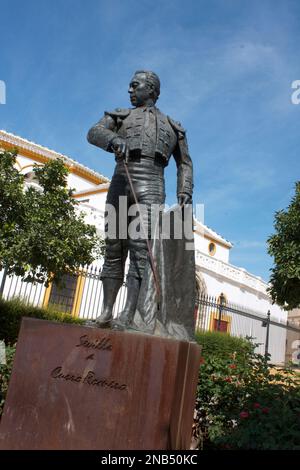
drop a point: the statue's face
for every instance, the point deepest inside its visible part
(139, 90)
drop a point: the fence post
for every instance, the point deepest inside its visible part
(267, 324)
(222, 302)
(3, 282)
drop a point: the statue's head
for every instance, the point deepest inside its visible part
(144, 88)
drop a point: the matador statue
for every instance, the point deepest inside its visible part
(142, 139)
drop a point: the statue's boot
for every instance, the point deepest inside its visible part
(124, 320)
(110, 291)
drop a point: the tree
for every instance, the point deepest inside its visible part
(11, 201)
(284, 246)
(48, 236)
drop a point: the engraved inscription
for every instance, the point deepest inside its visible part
(102, 344)
(89, 379)
(91, 356)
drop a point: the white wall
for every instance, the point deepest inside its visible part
(74, 181)
(78, 183)
(93, 216)
(202, 243)
(96, 200)
(24, 162)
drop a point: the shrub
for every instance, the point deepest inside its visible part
(12, 311)
(244, 403)
(221, 345)
(5, 372)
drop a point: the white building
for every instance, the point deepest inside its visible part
(215, 274)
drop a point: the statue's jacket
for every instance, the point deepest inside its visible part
(160, 137)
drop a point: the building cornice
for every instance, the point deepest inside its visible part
(41, 154)
(203, 230)
(233, 273)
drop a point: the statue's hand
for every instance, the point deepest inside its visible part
(119, 147)
(184, 198)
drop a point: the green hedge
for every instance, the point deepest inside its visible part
(5, 373)
(221, 345)
(12, 311)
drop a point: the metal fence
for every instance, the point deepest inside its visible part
(14, 287)
(90, 298)
(279, 339)
(82, 295)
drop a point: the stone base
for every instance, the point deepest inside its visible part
(76, 387)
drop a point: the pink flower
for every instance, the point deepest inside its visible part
(256, 405)
(244, 414)
(265, 410)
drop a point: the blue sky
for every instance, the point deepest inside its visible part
(226, 68)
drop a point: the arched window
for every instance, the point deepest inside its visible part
(201, 295)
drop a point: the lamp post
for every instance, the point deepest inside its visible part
(266, 324)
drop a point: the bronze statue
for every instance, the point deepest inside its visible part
(143, 140)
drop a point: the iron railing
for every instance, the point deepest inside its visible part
(273, 336)
(211, 313)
